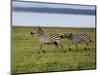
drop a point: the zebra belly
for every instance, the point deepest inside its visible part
(77, 39)
(46, 41)
(49, 39)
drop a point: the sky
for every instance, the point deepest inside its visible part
(52, 15)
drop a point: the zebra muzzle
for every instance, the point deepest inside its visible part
(31, 33)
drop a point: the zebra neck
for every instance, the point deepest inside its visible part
(41, 35)
(70, 37)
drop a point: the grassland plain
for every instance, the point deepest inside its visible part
(25, 57)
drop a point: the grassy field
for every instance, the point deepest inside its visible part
(25, 57)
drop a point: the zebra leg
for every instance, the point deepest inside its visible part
(61, 46)
(90, 44)
(76, 46)
(56, 44)
(86, 47)
(69, 47)
(41, 46)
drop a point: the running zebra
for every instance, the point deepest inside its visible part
(78, 38)
(46, 38)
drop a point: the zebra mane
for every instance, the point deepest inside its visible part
(40, 31)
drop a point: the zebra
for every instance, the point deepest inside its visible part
(46, 38)
(77, 38)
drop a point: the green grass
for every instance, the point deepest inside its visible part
(25, 57)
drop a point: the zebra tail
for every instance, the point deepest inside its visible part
(90, 40)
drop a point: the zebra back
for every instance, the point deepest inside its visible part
(44, 37)
(75, 37)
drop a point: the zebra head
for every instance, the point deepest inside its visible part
(36, 30)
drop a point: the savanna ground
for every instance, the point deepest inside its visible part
(25, 57)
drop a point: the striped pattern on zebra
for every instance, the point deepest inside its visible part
(46, 38)
(78, 38)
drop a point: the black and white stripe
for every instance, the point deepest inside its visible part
(78, 38)
(46, 38)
